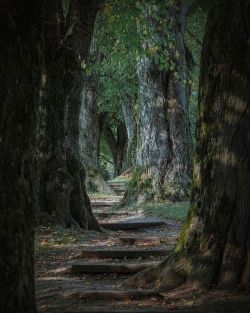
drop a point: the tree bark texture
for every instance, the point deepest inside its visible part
(217, 236)
(214, 247)
(52, 35)
(164, 144)
(117, 146)
(121, 148)
(63, 178)
(20, 72)
(131, 128)
(91, 125)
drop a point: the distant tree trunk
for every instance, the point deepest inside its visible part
(214, 247)
(111, 142)
(121, 147)
(20, 73)
(117, 146)
(63, 178)
(163, 157)
(131, 127)
(91, 124)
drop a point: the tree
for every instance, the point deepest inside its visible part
(91, 124)
(164, 144)
(63, 176)
(117, 145)
(20, 72)
(129, 117)
(214, 247)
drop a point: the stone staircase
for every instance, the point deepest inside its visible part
(134, 243)
(130, 256)
(119, 187)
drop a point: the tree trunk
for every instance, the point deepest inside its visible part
(64, 176)
(111, 142)
(214, 247)
(20, 72)
(121, 148)
(91, 124)
(163, 166)
(52, 25)
(90, 134)
(131, 127)
(117, 146)
(218, 230)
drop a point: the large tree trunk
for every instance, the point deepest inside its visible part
(214, 247)
(20, 72)
(163, 158)
(52, 25)
(63, 179)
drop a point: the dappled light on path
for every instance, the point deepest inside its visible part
(83, 271)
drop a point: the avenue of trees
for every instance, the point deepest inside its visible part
(89, 82)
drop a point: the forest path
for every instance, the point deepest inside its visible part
(82, 272)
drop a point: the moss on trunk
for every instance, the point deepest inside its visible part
(164, 143)
(214, 246)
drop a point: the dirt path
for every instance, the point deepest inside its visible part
(61, 290)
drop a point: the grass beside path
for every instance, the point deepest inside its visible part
(175, 211)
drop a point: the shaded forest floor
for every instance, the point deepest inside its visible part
(61, 290)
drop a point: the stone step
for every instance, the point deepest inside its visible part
(121, 268)
(96, 203)
(134, 310)
(130, 240)
(120, 192)
(122, 253)
(117, 294)
(98, 309)
(105, 198)
(110, 213)
(131, 225)
(121, 188)
(118, 183)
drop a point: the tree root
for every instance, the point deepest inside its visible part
(164, 276)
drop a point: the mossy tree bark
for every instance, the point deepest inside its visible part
(20, 72)
(164, 144)
(91, 125)
(214, 247)
(63, 188)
